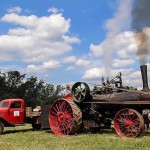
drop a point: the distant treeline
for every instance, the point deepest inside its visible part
(13, 84)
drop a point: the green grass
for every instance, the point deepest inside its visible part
(24, 138)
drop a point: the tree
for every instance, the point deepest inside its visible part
(35, 92)
(10, 82)
(2, 85)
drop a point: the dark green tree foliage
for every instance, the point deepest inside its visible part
(2, 85)
(33, 91)
(10, 83)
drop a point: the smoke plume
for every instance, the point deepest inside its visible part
(140, 24)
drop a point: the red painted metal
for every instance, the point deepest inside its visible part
(68, 96)
(62, 117)
(10, 114)
(128, 123)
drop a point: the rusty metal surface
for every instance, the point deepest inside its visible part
(137, 97)
(119, 102)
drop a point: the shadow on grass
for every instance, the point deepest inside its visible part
(17, 131)
(102, 131)
(146, 133)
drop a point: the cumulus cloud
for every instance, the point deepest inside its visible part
(81, 62)
(48, 65)
(34, 68)
(123, 44)
(123, 62)
(94, 73)
(14, 10)
(36, 39)
(97, 73)
(55, 10)
(52, 64)
(69, 59)
(69, 68)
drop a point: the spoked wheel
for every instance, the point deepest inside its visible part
(128, 123)
(65, 117)
(80, 92)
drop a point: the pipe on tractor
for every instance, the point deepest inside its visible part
(144, 77)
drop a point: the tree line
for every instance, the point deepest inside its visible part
(13, 84)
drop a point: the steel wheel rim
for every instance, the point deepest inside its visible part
(80, 91)
(65, 117)
(128, 123)
(61, 118)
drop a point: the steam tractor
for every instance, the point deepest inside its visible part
(111, 104)
(108, 105)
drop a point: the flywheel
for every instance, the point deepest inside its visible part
(80, 92)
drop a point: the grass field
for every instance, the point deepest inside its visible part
(24, 138)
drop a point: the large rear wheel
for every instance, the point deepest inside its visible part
(65, 117)
(128, 123)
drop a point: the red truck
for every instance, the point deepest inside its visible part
(14, 113)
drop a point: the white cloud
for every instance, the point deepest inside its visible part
(135, 75)
(55, 10)
(69, 59)
(14, 10)
(94, 73)
(33, 68)
(52, 64)
(123, 44)
(97, 50)
(69, 68)
(48, 65)
(97, 73)
(36, 39)
(123, 63)
(71, 39)
(81, 62)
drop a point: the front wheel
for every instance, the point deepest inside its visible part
(128, 123)
(1, 127)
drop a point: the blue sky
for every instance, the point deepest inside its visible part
(70, 40)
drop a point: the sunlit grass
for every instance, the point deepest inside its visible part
(24, 138)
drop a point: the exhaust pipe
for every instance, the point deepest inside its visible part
(144, 77)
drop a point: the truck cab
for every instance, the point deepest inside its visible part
(12, 113)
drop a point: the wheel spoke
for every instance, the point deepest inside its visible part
(54, 113)
(63, 105)
(57, 108)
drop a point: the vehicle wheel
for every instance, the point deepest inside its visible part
(36, 126)
(65, 117)
(1, 127)
(80, 92)
(128, 123)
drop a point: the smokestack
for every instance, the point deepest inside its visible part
(144, 77)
